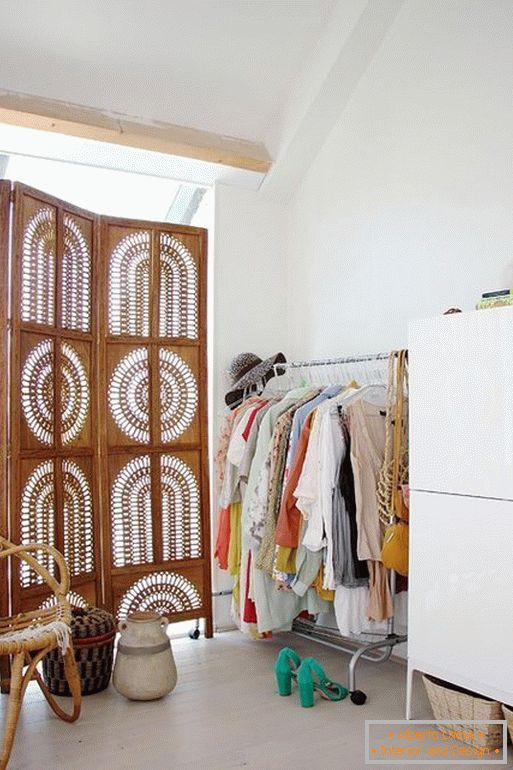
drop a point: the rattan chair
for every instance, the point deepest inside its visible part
(26, 638)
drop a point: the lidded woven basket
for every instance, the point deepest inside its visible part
(451, 702)
(507, 712)
(93, 631)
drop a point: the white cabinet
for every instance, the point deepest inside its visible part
(461, 405)
(460, 625)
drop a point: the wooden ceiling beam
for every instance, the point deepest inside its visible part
(88, 123)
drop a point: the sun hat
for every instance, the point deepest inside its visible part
(248, 369)
(241, 365)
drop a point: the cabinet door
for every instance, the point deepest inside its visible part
(460, 623)
(461, 404)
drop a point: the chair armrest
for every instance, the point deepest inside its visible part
(23, 552)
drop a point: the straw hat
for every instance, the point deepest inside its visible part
(248, 369)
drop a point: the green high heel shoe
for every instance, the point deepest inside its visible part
(311, 677)
(285, 668)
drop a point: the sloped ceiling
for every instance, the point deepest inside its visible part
(222, 66)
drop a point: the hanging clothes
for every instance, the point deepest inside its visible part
(289, 519)
(279, 448)
(349, 570)
(367, 428)
(255, 501)
(298, 520)
(300, 417)
(222, 538)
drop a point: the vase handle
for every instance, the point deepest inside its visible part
(164, 622)
(122, 626)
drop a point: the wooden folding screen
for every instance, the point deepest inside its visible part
(108, 407)
(154, 447)
(53, 404)
(5, 188)
(5, 191)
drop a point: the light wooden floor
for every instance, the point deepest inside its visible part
(225, 713)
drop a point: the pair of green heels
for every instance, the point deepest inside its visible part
(309, 676)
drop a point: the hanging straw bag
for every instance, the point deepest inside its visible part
(394, 472)
(399, 506)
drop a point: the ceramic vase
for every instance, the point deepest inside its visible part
(145, 668)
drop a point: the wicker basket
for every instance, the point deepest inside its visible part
(508, 716)
(451, 702)
(93, 632)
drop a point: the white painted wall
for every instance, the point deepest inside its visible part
(407, 208)
(249, 275)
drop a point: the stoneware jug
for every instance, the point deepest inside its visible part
(145, 668)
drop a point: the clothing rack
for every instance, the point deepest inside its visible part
(325, 635)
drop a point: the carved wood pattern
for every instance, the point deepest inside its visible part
(130, 504)
(38, 266)
(179, 289)
(167, 593)
(76, 274)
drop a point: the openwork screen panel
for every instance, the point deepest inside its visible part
(154, 359)
(38, 255)
(179, 289)
(131, 511)
(128, 395)
(76, 274)
(168, 593)
(75, 393)
(37, 380)
(130, 284)
(75, 599)
(37, 513)
(178, 395)
(53, 396)
(181, 509)
(37, 392)
(78, 513)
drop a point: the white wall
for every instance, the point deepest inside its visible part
(407, 209)
(249, 285)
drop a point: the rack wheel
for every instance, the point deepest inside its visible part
(194, 633)
(358, 697)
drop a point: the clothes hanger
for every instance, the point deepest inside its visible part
(276, 386)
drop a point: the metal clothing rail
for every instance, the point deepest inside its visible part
(324, 635)
(354, 359)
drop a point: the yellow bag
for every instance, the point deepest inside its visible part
(394, 553)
